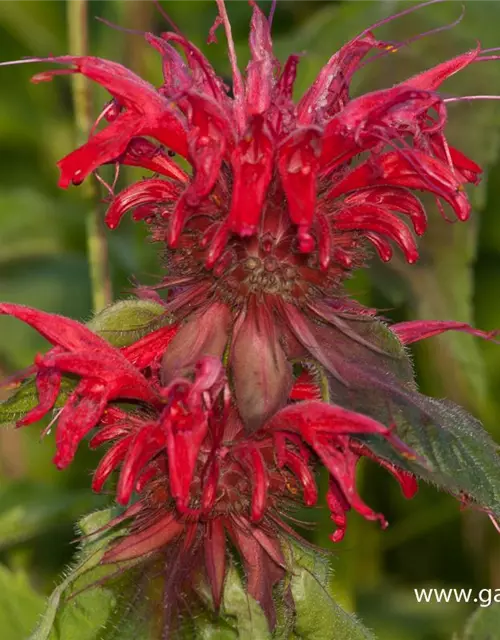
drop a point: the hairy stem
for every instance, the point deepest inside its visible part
(97, 248)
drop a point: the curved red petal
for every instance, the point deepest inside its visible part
(415, 330)
(110, 461)
(140, 193)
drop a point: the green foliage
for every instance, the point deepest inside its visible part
(28, 509)
(317, 613)
(20, 605)
(94, 601)
(484, 624)
(105, 602)
(25, 398)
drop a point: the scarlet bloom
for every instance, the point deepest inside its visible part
(200, 479)
(280, 205)
(264, 369)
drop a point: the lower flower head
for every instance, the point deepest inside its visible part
(189, 473)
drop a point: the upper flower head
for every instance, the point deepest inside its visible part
(283, 198)
(267, 167)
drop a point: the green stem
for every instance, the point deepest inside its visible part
(97, 248)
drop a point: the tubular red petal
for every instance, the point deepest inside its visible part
(383, 248)
(177, 220)
(111, 432)
(202, 71)
(148, 442)
(151, 347)
(80, 414)
(338, 506)
(123, 84)
(395, 199)
(48, 384)
(287, 78)
(140, 193)
(217, 245)
(148, 113)
(298, 164)
(185, 431)
(299, 467)
(260, 482)
(342, 466)
(358, 127)
(313, 417)
(211, 129)
(116, 372)
(415, 330)
(252, 164)
(176, 79)
(330, 91)
(260, 70)
(103, 147)
(58, 330)
(209, 493)
(110, 462)
(377, 219)
(433, 78)
(407, 481)
(149, 472)
(140, 152)
(392, 168)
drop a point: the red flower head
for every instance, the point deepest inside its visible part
(284, 198)
(264, 369)
(200, 479)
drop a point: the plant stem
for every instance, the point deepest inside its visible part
(97, 248)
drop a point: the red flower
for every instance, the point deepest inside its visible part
(277, 210)
(200, 478)
(283, 201)
(106, 374)
(295, 158)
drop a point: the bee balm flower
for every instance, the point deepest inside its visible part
(264, 369)
(283, 201)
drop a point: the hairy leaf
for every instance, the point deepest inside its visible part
(317, 613)
(484, 623)
(98, 602)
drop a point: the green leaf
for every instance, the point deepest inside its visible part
(457, 454)
(126, 321)
(98, 602)
(240, 615)
(484, 624)
(317, 614)
(20, 605)
(25, 398)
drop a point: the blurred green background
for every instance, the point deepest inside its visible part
(43, 263)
